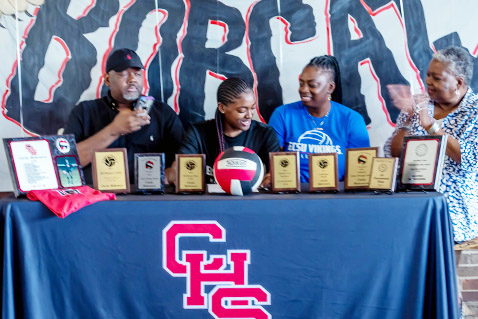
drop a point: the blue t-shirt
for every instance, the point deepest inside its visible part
(298, 131)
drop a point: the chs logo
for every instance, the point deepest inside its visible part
(232, 296)
(63, 145)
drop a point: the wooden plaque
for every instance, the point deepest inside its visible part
(358, 166)
(284, 169)
(421, 162)
(384, 174)
(190, 170)
(323, 172)
(110, 170)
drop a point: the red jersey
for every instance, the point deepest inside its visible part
(65, 201)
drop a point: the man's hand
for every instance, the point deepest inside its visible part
(127, 121)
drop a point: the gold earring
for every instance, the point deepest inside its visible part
(329, 97)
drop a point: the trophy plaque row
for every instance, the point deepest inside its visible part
(52, 162)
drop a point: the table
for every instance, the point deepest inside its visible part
(346, 255)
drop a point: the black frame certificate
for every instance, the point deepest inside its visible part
(384, 174)
(323, 172)
(43, 162)
(421, 162)
(358, 165)
(190, 173)
(149, 172)
(284, 169)
(110, 170)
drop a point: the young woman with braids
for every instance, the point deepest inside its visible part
(232, 126)
(318, 123)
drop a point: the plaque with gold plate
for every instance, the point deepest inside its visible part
(323, 172)
(190, 170)
(384, 174)
(358, 166)
(110, 170)
(284, 169)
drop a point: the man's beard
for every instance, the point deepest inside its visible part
(131, 96)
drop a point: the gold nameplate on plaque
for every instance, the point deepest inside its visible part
(284, 169)
(190, 170)
(384, 174)
(358, 165)
(323, 172)
(110, 170)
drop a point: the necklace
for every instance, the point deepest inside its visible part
(313, 118)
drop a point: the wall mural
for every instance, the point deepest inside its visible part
(54, 53)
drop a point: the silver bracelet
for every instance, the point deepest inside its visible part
(434, 128)
(405, 127)
(420, 107)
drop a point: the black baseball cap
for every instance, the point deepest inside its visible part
(122, 59)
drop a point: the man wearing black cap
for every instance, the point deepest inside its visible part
(124, 118)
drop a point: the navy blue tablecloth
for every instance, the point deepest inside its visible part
(315, 255)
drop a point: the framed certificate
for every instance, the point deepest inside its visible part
(110, 170)
(323, 172)
(384, 174)
(43, 162)
(421, 162)
(358, 165)
(149, 172)
(284, 169)
(190, 170)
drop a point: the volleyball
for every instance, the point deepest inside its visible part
(238, 170)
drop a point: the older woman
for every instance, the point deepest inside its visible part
(450, 109)
(318, 123)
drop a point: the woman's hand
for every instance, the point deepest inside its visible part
(421, 110)
(266, 181)
(401, 97)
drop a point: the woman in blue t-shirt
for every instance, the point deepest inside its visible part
(318, 123)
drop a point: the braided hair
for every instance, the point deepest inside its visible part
(330, 63)
(228, 91)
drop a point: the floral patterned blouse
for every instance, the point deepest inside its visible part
(459, 182)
